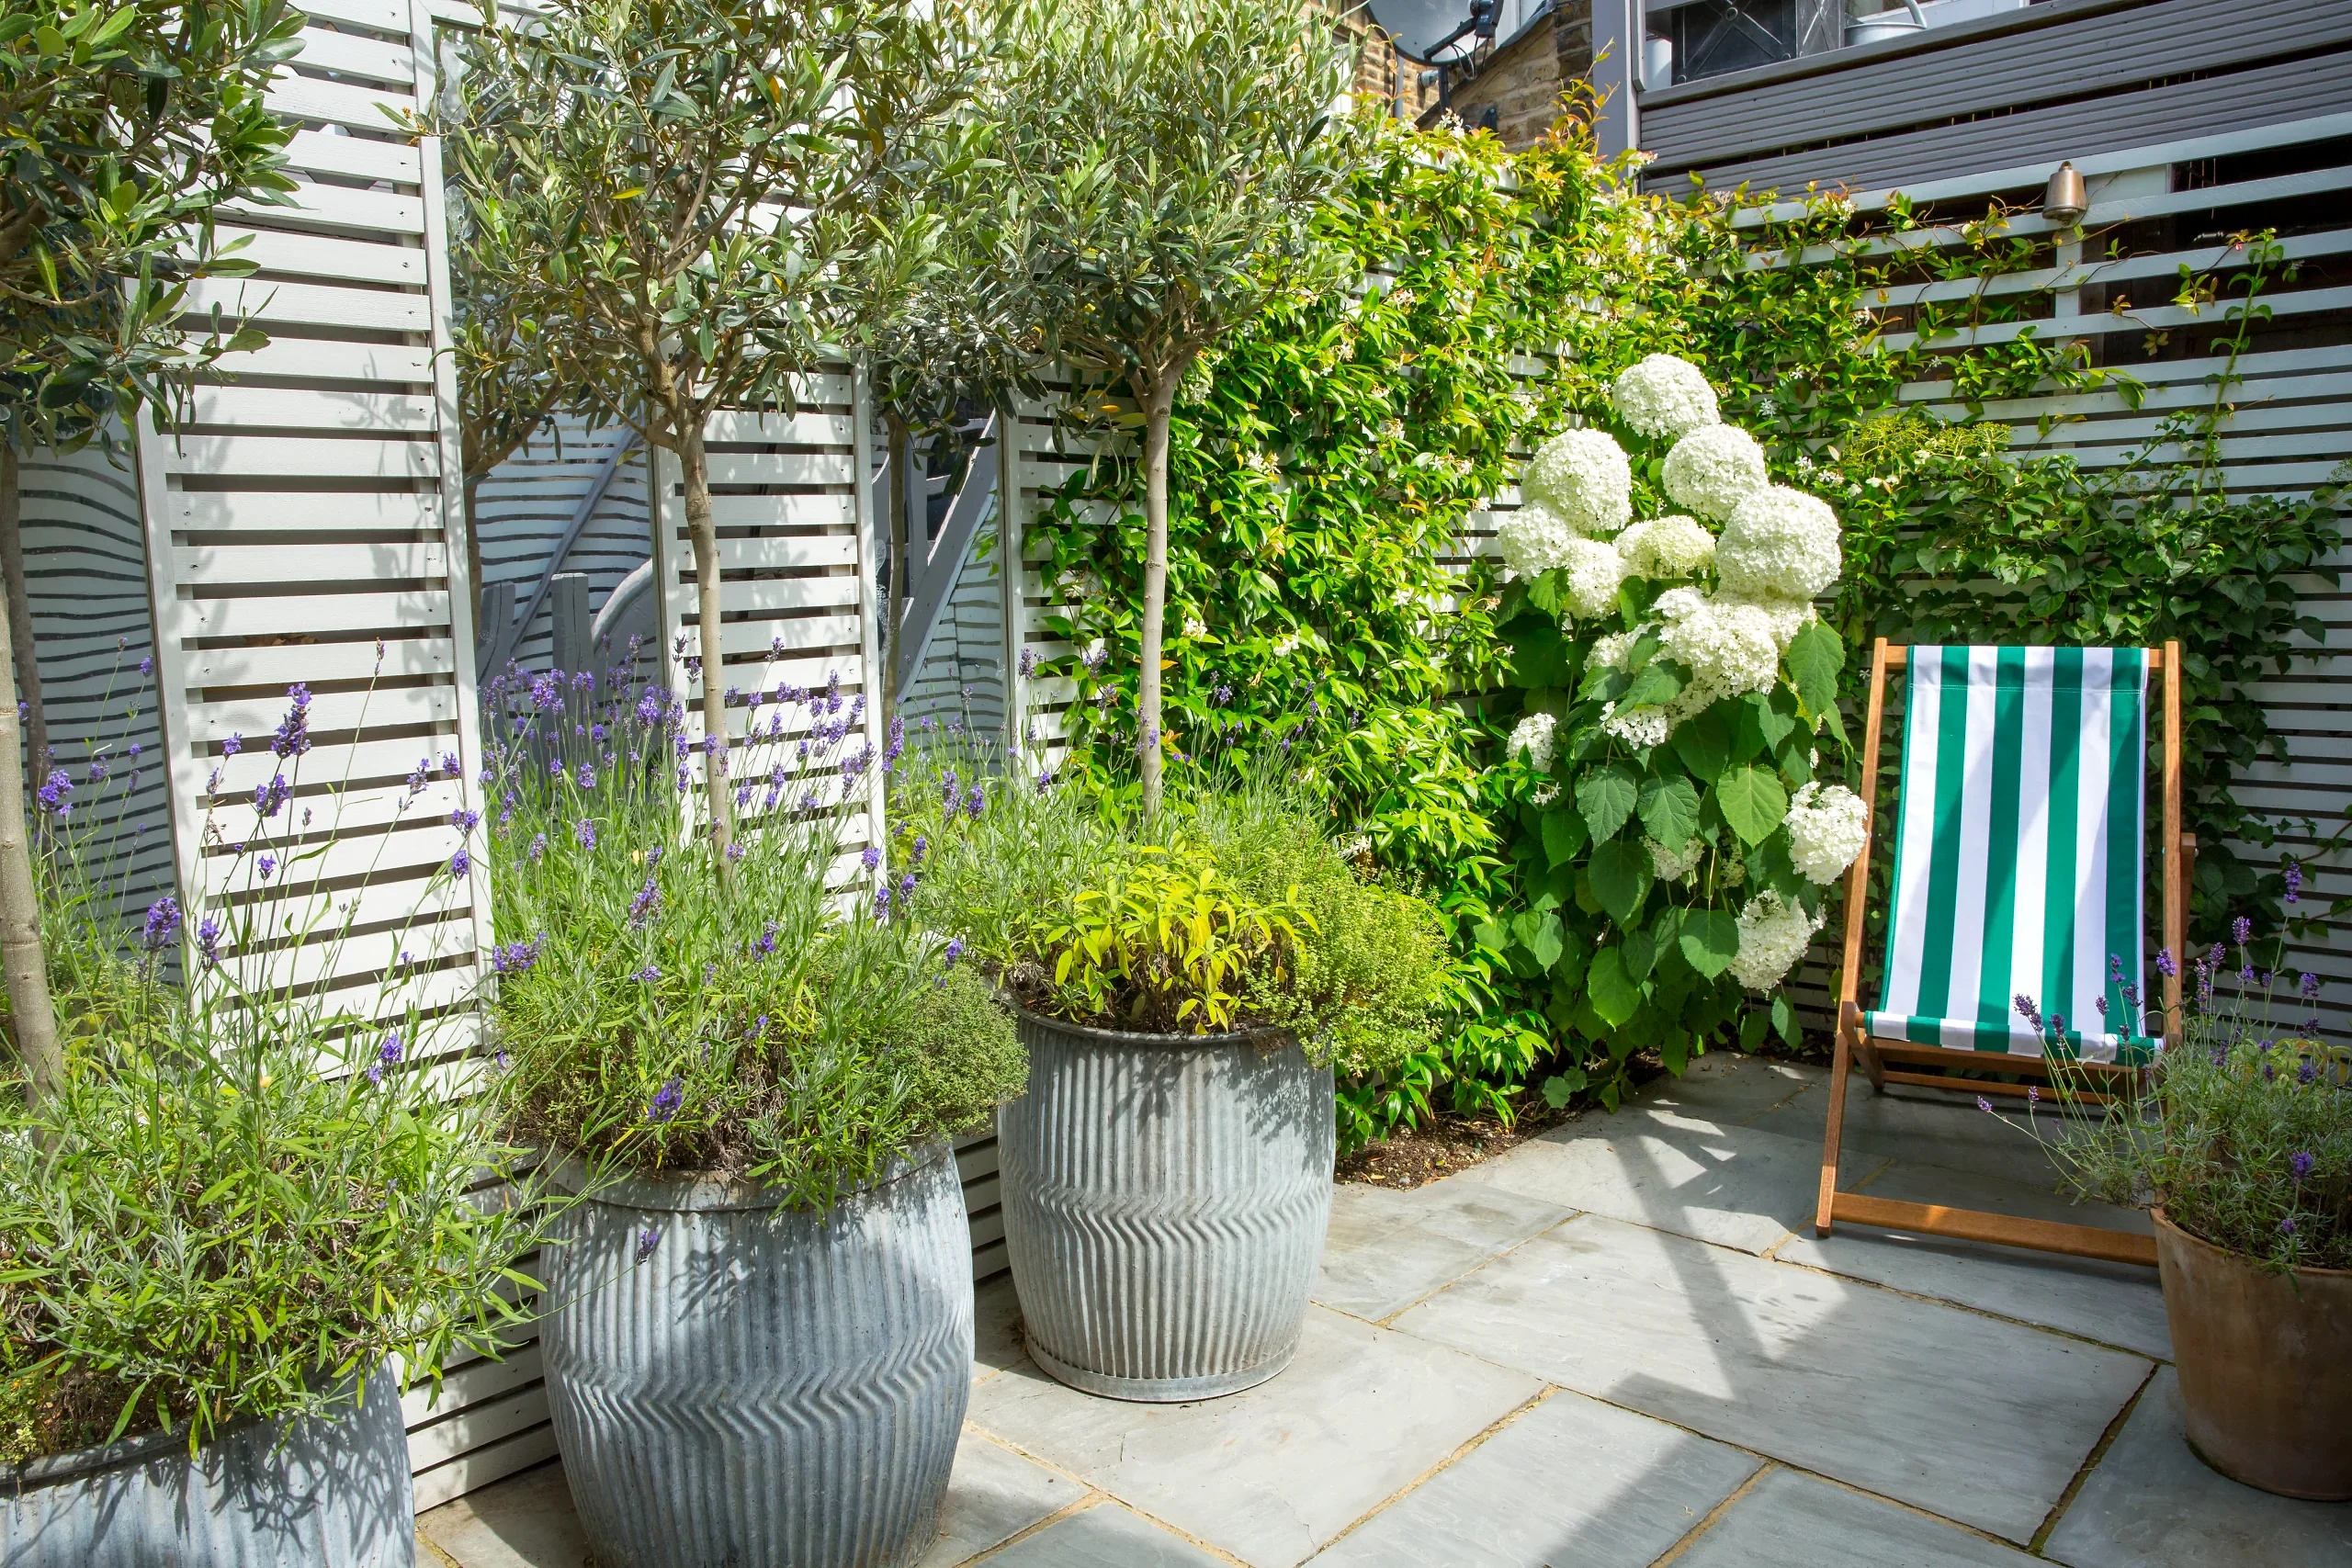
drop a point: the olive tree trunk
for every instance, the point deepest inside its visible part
(1159, 397)
(24, 966)
(20, 615)
(901, 455)
(694, 464)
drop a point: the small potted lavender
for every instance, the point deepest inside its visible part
(2240, 1140)
(758, 1329)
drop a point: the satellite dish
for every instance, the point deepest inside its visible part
(1428, 30)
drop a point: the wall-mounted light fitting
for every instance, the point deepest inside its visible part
(2064, 202)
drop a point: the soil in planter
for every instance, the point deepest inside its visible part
(42, 1414)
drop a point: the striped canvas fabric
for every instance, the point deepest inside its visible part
(2019, 852)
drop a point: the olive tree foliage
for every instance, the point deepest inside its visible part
(677, 192)
(1169, 156)
(127, 127)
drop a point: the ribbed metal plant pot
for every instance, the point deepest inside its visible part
(262, 1494)
(736, 1387)
(1165, 1201)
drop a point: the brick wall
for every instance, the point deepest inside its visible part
(1521, 82)
(1377, 63)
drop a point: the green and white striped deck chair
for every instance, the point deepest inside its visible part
(2020, 856)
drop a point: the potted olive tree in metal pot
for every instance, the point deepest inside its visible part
(232, 1219)
(2240, 1140)
(758, 1323)
(1186, 986)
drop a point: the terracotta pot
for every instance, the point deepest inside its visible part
(2265, 1366)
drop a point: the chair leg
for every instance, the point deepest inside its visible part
(1833, 1134)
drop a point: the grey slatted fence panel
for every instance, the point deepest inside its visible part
(525, 505)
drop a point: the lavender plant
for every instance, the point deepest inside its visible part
(243, 1194)
(2243, 1132)
(787, 1021)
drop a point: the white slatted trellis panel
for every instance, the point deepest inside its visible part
(792, 502)
(85, 579)
(307, 518)
(530, 512)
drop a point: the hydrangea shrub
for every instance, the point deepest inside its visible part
(1678, 764)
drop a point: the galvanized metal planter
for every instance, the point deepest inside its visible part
(734, 1387)
(1165, 1201)
(262, 1494)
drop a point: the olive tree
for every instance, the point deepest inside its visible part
(684, 185)
(1169, 156)
(127, 126)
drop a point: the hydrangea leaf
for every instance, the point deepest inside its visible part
(1564, 836)
(1708, 940)
(1539, 937)
(1669, 809)
(1703, 742)
(1613, 992)
(1656, 686)
(1752, 802)
(1607, 797)
(1620, 878)
(1816, 659)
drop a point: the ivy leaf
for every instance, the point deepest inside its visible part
(1753, 803)
(1607, 797)
(1669, 809)
(1539, 937)
(1815, 657)
(1614, 993)
(1709, 939)
(1620, 878)
(1703, 742)
(1565, 837)
(1656, 686)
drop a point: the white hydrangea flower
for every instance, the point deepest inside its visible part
(1727, 648)
(1773, 935)
(1789, 616)
(1828, 828)
(1584, 477)
(1673, 865)
(1666, 547)
(1533, 737)
(1714, 469)
(1641, 727)
(1665, 395)
(1610, 651)
(1533, 539)
(1780, 543)
(1595, 569)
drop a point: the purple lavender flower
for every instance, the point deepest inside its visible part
(515, 957)
(2287, 1225)
(973, 802)
(1028, 662)
(871, 858)
(2300, 1163)
(539, 847)
(665, 1102)
(2242, 931)
(147, 665)
(234, 744)
(906, 888)
(2027, 1010)
(1984, 1104)
(546, 691)
(2307, 1074)
(645, 905)
(267, 866)
(586, 776)
(465, 821)
(584, 833)
(52, 795)
(390, 1051)
(2307, 986)
(293, 736)
(766, 942)
(269, 796)
(2166, 965)
(954, 951)
(2058, 1023)
(648, 1241)
(922, 847)
(162, 921)
(649, 974)
(881, 903)
(2100, 1003)
(2292, 874)
(461, 865)
(208, 939)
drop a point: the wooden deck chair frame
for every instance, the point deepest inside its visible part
(1886, 1061)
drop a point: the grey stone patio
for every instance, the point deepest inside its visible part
(1618, 1346)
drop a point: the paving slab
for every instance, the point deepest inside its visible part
(1920, 1126)
(1276, 1471)
(2151, 1503)
(996, 1328)
(1726, 1087)
(525, 1521)
(2116, 1303)
(1106, 1536)
(993, 1496)
(1982, 1421)
(1726, 1184)
(1387, 1249)
(1788, 1521)
(1571, 1481)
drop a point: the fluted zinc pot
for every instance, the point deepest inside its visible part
(736, 1386)
(333, 1489)
(1165, 1202)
